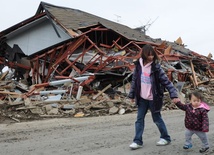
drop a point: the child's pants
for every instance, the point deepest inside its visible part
(200, 134)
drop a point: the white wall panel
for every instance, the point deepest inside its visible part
(36, 36)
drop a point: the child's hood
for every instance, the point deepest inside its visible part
(205, 106)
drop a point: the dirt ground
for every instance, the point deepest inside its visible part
(106, 135)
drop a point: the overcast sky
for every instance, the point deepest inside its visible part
(192, 20)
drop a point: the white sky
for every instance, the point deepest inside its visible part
(192, 20)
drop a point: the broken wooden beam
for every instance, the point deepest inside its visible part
(193, 73)
(94, 97)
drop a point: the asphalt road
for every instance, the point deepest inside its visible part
(106, 135)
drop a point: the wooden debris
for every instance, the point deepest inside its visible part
(79, 114)
(210, 55)
(179, 41)
(107, 87)
(193, 73)
(2, 77)
(15, 119)
(168, 50)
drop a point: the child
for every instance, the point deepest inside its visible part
(196, 120)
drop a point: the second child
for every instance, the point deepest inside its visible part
(196, 120)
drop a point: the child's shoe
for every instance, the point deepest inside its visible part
(204, 149)
(187, 146)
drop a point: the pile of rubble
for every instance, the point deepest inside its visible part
(83, 83)
(17, 106)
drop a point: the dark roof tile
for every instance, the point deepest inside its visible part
(75, 19)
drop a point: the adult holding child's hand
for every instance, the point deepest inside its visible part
(147, 90)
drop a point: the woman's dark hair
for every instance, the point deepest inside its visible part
(148, 50)
(196, 94)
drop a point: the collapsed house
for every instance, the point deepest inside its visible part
(63, 54)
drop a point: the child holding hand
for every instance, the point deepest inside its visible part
(196, 120)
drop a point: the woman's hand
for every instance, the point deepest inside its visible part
(176, 100)
(132, 100)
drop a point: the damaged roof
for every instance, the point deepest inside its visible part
(75, 19)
